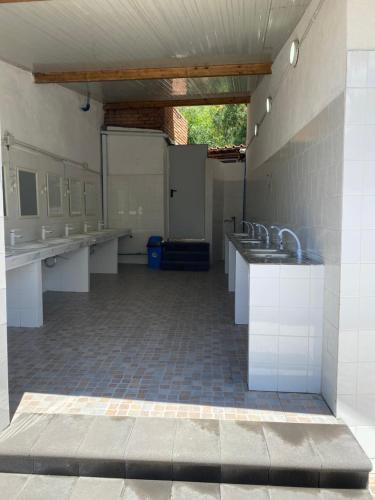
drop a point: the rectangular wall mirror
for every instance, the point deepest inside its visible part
(90, 199)
(75, 196)
(55, 195)
(28, 193)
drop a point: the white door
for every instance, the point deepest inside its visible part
(187, 185)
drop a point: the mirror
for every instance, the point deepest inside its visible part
(55, 195)
(90, 198)
(75, 196)
(27, 192)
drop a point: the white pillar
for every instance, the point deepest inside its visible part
(25, 296)
(104, 257)
(231, 267)
(4, 392)
(70, 274)
(241, 298)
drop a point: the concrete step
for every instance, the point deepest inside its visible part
(210, 451)
(37, 487)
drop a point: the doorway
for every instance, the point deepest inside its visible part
(187, 184)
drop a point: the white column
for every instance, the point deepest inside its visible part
(25, 296)
(4, 392)
(70, 274)
(226, 253)
(104, 257)
(231, 266)
(241, 298)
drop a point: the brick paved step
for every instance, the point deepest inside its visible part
(210, 451)
(26, 487)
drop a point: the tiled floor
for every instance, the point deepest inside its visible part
(145, 343)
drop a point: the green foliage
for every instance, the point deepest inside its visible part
(217, 126)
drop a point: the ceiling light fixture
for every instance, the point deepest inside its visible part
(294, 52)
(268, 104)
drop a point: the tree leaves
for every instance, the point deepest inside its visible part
(217, 126)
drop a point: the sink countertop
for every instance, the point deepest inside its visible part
(251, 258)
(17, 257)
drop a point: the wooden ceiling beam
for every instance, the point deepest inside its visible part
(108, 75)
(171, 103)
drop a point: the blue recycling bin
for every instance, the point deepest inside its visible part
(154, 251)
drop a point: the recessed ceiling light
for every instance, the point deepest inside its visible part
(256, 130)
(294, 52)
(268, 104)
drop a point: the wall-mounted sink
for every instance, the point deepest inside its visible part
(79, 236)
(267, 255)
(27, 246)
(56, 241)
(263, 250)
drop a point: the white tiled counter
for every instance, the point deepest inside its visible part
(282, 303)
(67, 268)
(285, 327)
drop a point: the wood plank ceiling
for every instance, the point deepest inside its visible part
(132, 51)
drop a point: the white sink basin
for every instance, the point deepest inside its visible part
(79, 236)
(56, 241)
(267, 255)
(27, 246)
(263, 250)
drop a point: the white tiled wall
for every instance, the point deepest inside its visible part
(356, 368)
(300, 187)
(228, 202)
(4, 395)
(285, 328)
(137, 165)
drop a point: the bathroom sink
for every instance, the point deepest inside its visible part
(28, 246)
(250, 241)
(56, 241)
(267, 255)
(263, 250)
(79, 236)
(240, 235)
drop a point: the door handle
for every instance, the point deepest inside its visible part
(172, 192)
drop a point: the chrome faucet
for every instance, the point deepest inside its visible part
(14, 237)
(298, 243)
(68, 228)
(248, 224)
(86, 226)
(278, 229)
(262, 226)
(45, 232)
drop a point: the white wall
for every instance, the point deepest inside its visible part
(295, 165)
(356, 369)
(301, 93)
(4, 394)
(136, 178)
(227, 201)
(48, 117)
